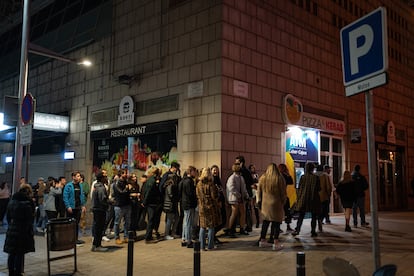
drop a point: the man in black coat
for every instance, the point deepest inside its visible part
(99, 208)
(122, 206)
(361, 186)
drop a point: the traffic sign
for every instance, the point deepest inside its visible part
(26, 134)
(27, 109)
(364, 49)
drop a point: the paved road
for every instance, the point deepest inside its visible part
(241, 256)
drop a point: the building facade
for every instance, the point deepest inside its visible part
(201, 82)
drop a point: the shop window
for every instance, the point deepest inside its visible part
(153, 106)
(336, 145)
(324, 143)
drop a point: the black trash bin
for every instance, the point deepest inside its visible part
(61, 235)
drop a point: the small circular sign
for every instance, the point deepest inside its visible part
(126, 106)
(27, 108)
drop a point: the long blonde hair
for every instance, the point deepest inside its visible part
(269, 181)
(206, 175)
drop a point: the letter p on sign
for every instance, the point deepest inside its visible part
(357, 48)
(364, 47)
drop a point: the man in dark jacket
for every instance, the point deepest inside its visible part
(99, 209)
(187, 190)
(122, 205)
(151, 201)
(361, 186)
(174, 169)
(19, 236)
(170, 199)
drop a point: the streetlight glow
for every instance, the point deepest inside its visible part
(41, 51)
(85, 62)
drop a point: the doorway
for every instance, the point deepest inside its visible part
(391, 188)
(331, 153)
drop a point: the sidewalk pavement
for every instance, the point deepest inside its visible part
(241, 256)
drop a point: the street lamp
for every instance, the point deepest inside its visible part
(24, 67)
(41, 51)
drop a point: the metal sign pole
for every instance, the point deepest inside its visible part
(24, 70)
(372, 177)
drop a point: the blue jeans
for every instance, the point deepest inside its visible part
(359, 203)
(188, 224)
(122, 212)
(210, 238)
(42, 217)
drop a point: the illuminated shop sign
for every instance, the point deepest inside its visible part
(126, 132)
(51, 122)
(135, 130)
(293, 114)
(322, 123)
(302, 144)
(136, 148)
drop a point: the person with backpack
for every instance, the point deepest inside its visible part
(361, 186)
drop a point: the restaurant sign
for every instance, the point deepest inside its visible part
(322, 123)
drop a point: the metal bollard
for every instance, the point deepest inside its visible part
(197, 258)
(130, 264)
(300, 264)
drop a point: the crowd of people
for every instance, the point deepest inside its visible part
(197, 205)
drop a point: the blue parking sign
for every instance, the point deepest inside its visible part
(364, 47)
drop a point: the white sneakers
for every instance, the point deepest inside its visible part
(105, 238)
(275, 246)
(168, 237)
(263, 244)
